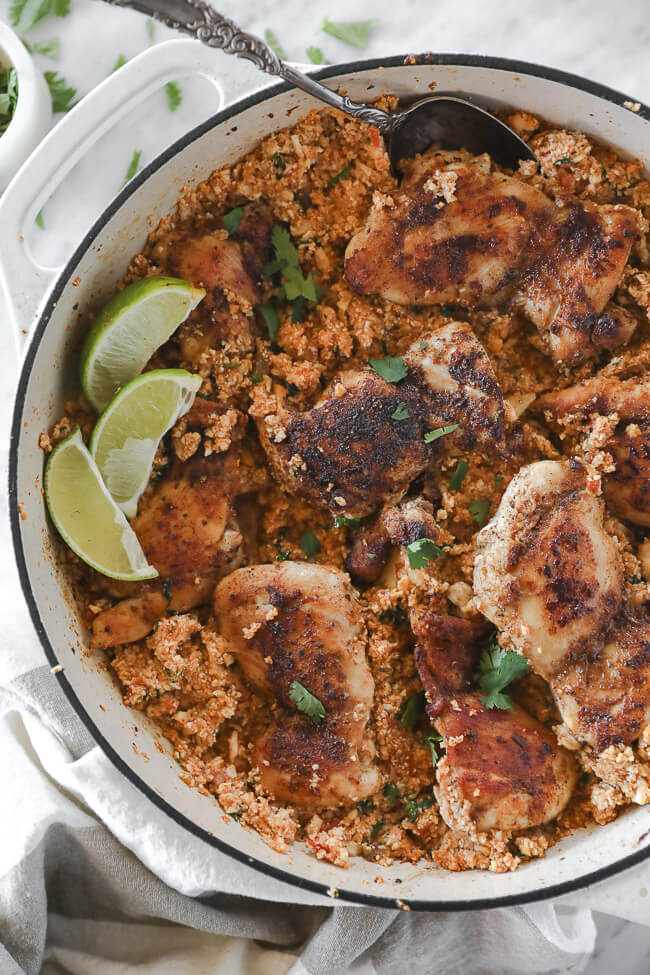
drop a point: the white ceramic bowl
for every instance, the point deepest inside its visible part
(55, 305)
(33, 115)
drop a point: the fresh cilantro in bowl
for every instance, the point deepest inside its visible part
(8, 97)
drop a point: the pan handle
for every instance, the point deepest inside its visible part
(24, 280)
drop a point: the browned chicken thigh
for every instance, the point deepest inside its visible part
(501, 769)
(351, 453)
(627, 487)
(188, 529)
(457, 232)
(293, 622)
(549, 575)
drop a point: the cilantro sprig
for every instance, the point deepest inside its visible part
(25, 13)
(293, 286)
(60, 92)
(422, 551)
(498, 669)
(306, 702)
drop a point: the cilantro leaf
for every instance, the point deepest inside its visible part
(432, 435)
(497, 479)
(279, 163)
(150, 27)
(274, 44)
(60, 93)
(39, 220)
(340, 521)
(133, 166)
(392, 368)
(282, 555)
(343, 173)
(375, 829)
(364, 806)
(306, 702)
(499, 668)
(432, 740)
(316, 56)
(422, 551)
(174, 95)
(400, 413)
(25, 13)
(49, 49)
(232, 219)
(270, 316)
(479, 509)
(285, 249)
(309, 544)
(458, 476)
(414, 808)
(121, 61)
(391, 792)
(412, 711)
(354, 33)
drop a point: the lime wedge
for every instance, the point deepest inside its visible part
(129, 430)
(127, 332)
(87, 518)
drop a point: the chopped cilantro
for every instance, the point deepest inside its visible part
(340, 521)
(342, 174)
(25, 13)
(133, 167)
(282, 555)
(354, 33)
(636, 580)
(562, 160)
(400, 413)
(422, 346)
(274, 44)
(121, 61)
(61, 95)
(375, 829)
(270, 316)
(8, 97)
(432, 435)
(479, 509)
(446, 310)
(278, 162)
(306, 702)
(392, 368)
(422, 551)
(365, 806)
(255, 377)
(499, 668)
(174, 95)
(432, 740)
(497, 479)
(39, 220)
(295, 286)
(391, 792)
(414, 808)
(237, 815)
(232, 219)
(150, 27)
(309, 544)
(316, 56)
(413, 710)
(458, 476)
(166, 591)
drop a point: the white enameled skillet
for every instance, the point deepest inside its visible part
(49, 306)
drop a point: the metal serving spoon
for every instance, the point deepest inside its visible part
(451, 122)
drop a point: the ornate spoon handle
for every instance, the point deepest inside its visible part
(200, 20)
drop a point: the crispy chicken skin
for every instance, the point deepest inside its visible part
(548, 574)
(627, 488)
(502, 769)
(460, 233)
(299, 622)
(188, 530)
(546, 571)
(350, 453)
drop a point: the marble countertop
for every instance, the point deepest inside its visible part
(596, 38)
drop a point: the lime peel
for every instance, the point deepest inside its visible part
(127, 434)
(87, 518)
(128, 330)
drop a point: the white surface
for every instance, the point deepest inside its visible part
(599, 39)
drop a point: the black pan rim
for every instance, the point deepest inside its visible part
(340, 893)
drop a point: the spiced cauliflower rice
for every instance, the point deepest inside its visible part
(353, 640)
